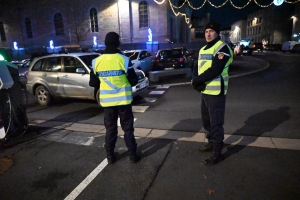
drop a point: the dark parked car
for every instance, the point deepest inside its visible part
(277, 47)
(296, 48)
(273, 47)
(247, 51)
(23, 72)
(173, 58)
(257, 47)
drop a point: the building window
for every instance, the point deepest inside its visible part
(2, 33)
(199, 34)
(94, 20)
(143, 14)
(59, 24)
(28, 28)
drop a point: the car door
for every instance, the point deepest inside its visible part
(75, 84)
(146, 61)
(50, 73)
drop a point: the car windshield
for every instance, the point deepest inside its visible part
(174, 52)
(25, 65)
(87, 59)
(132, 55)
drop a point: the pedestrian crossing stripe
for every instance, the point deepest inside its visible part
(156, 92)
(148, 99)
(139, 109)
(162, 87)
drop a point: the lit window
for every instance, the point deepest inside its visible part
(143, 14)
(59, 24)
(28, 28)
(94, 20)
(2, 33)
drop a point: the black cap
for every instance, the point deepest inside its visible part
(214, 26)
(112, 40)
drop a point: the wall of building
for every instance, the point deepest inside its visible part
(119, 16)
(238, 31)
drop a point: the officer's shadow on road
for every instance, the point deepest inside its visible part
(154, 145)
(255, 126)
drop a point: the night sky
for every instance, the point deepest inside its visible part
(227, 14)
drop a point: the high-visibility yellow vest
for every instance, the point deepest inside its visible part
(206, 57)
(115, 88)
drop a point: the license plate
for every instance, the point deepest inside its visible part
(169, 68)
(141, 86)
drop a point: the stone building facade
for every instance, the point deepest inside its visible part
(33, 24)
(271, 25)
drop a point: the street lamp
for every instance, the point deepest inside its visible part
(294, 23)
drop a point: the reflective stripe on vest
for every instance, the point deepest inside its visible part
(115, 88)
(206, 57)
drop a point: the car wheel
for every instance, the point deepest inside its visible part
(97, 97)
(43, 96)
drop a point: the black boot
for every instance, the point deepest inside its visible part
(216, 155)
(206, 148)
(110, 155)
(134, 158)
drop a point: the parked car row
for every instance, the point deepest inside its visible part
(273, 47)
(23, 67)
(296, 48)
(67, 75)
(288, 46)
(165, 59)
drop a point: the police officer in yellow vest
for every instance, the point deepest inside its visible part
(212, 81)
(117, 77)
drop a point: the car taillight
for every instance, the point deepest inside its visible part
(181, 59)
(26, 74)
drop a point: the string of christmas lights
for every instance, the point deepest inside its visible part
(187, 20)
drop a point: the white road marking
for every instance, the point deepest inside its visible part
(119, 123)
(156, 92)
(87, 180)
(150, 99)
(139, 108)
(162, 87)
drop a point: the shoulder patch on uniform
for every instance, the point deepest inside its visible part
(220, 56)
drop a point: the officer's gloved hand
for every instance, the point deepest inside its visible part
(199, 86)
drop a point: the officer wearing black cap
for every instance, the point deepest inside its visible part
(117, 76)
(212, 82)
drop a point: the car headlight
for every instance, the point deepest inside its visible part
(140, 74)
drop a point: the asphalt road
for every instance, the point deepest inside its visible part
(48, 163)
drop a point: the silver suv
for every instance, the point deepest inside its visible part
(67, 76)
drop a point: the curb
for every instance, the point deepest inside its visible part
(264, 142)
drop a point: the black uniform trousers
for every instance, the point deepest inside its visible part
(213, 113)
(111, 115)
